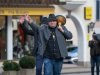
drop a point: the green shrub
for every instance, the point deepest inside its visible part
(9, 65)
(27, 62)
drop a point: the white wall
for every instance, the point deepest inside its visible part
(71, 27)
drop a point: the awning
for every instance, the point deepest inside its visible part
(29, 11)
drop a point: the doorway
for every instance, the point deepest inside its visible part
(79, 35)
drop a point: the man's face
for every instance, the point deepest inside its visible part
(53, 24)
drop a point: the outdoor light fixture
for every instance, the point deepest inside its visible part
(69, 14)
(91, 26)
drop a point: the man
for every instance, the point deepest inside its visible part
(52, 45)
(94, 45)
(34, 32)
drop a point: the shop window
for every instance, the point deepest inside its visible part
(2, 38)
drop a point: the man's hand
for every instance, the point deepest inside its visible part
(28, 18)
(21, 20)
(60, 28)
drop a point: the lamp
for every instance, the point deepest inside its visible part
(91, 26)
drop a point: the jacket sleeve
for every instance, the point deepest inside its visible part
(40, 42)
(34, 26)
(25, 26)
(67, 34)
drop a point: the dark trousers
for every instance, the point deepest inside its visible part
(95, 62)
(39, 63)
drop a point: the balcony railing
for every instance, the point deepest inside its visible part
(28, 2)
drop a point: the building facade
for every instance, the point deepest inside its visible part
(78, 13)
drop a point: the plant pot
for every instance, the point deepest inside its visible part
(27, 72)
(10, 73)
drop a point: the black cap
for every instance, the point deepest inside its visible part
(52, 17)
(44, 20)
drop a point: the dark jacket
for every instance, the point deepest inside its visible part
(94, 48)
(44, 35)
(52, 49)
(34, 32)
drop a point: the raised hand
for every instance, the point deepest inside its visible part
(60, 28)
(21, 19)
(28, 18)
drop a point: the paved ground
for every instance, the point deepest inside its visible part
(72, 69)
(78, 74)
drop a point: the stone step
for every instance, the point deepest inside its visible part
(72, 68)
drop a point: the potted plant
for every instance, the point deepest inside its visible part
(27, 64)
(10, 68)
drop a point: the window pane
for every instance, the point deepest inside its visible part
(3, 51)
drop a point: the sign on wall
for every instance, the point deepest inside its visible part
(29, 11)
(88, 13)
